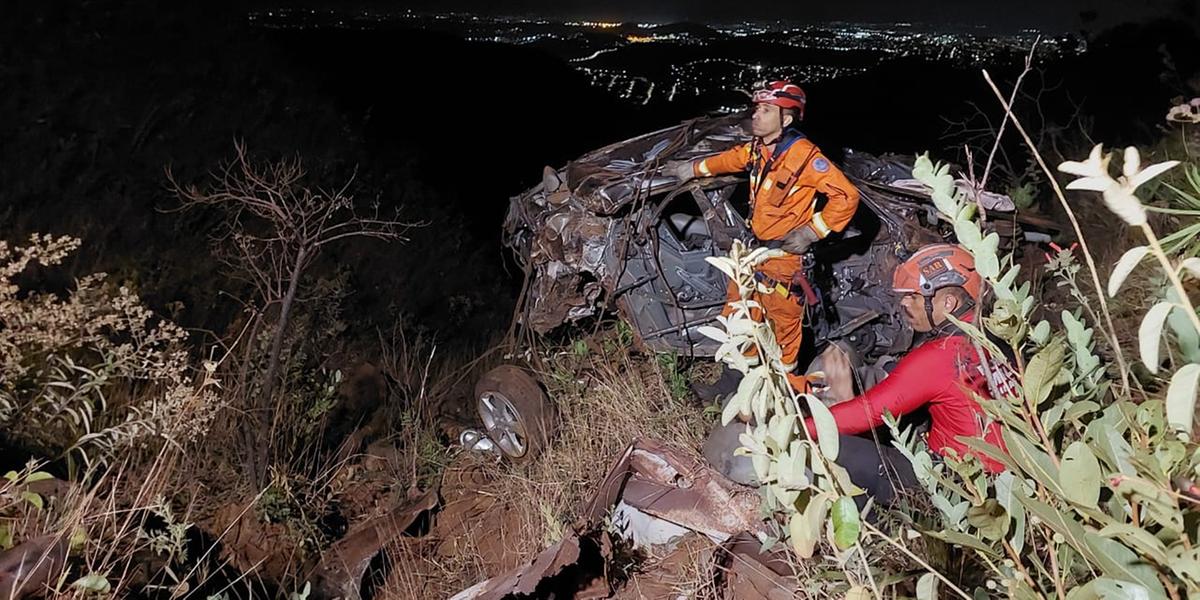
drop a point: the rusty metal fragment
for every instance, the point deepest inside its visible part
(29, 567)
(678, 487)
(745, 572)
(574, 567)
(684, 571)
(340, 572)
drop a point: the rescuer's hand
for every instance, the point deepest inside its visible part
(839, 375)
(682, 170)
(798, 240)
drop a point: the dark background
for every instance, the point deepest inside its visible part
(1010, 15)
(99, 97)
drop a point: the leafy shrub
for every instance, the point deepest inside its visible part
(90, 371)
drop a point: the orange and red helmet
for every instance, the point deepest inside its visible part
(783, 94)
(935, 267)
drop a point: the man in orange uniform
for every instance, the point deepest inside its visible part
(787, 171)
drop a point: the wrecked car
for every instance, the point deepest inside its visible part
(614, 230)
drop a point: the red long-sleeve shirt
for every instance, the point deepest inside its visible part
(943, 374)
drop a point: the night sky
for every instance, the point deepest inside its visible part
(1059, 15)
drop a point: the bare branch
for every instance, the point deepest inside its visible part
(1011, 99)
(274, 227)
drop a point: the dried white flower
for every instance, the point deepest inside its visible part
(1119, 194)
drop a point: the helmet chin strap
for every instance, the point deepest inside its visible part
(963, 308)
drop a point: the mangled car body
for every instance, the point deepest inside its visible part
(613, 229)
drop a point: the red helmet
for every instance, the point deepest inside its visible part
(935, 267)
(783, 94)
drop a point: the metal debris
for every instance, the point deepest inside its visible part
(678, 487)
(574, 567)
(670, 491)
(745, 572)
(477, 441)
(31, 566)
(340, 572)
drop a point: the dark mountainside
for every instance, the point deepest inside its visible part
(101, 97)
(98, 101)
(1120, 89)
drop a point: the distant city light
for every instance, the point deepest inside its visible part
(596, 24)
(602, 60)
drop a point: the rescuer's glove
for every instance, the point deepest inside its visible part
(798, 240)
(682, 170)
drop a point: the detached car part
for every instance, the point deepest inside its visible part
(516, 413)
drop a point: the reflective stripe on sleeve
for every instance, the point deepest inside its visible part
(818, 223)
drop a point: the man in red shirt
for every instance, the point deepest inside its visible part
(942, 374)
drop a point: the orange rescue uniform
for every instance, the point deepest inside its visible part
(783, 199)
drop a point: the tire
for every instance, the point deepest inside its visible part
(516, 413)
(719, 449)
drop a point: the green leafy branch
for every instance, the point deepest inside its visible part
(798, 476)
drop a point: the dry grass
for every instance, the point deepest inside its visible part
(1141, 289)
(605, 400)
(685, 572)
(1110, 238)
(105, 521)
(609, 405)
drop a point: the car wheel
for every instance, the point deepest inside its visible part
(515, 411)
